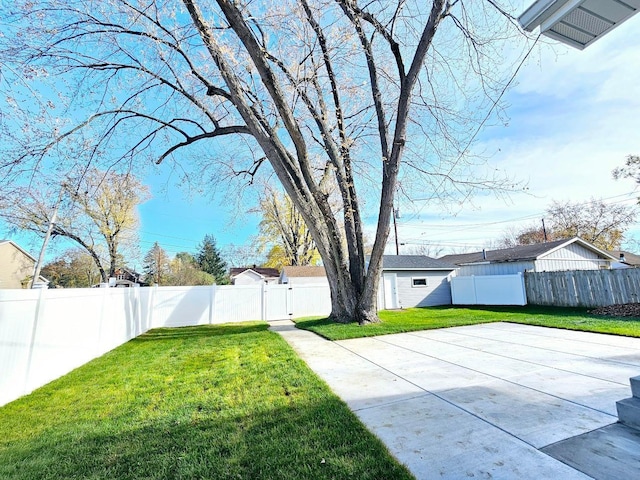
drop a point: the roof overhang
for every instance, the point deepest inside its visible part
(577, 23)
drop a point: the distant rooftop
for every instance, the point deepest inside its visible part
(519, 253)
(264, 271)
(629, 258)
(306, 271)
(414, 262)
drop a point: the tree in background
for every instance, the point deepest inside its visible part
(527, 235)
(73, 269)
(209, 260)
(243, 255)
(433, 251)
(333, 95)
(183, 271)
(96, 210)
(284, 233)
(599, 223)
(631, 169)
(156, 265)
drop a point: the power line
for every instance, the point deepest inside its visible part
(530, 216)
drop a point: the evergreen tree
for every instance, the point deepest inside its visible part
(156, 265)
(209, 259)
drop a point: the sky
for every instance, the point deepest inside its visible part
(573, 116)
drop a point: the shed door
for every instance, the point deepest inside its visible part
(390, 290)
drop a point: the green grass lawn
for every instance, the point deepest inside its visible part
(412, 319)
(210, 402)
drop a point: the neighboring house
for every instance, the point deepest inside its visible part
(126, 278)
(414, 281)
(625, 259)
(559, 255)
(16, 266)
(308, 275)
(253, 275)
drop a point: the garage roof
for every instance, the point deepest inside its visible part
(414, 262)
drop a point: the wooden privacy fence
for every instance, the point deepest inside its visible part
(583, 288)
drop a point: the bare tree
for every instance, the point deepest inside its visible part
(331, 93)
(156, 265)
(631, 169)
(427, 250)
(96, 210)
(527, 235)
(602, 224)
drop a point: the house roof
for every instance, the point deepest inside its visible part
(414, 262)
(129, 271)
(19, 248)
(629, 258)
(262, 271)
(520, 253)
(306, 271)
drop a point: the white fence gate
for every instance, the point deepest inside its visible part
(489, 290)
(278, 301)
(45, 334)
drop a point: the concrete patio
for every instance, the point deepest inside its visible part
(496, 400)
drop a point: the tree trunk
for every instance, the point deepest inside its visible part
(353, 287)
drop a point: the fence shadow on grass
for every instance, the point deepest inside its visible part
(201, 331)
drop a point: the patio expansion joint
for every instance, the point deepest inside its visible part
(600, 359)
(497, 377)
(436, 395)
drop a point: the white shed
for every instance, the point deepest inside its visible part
(414, 281)
(559, 255)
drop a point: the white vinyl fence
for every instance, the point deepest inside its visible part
(45, 334)
(489, 290)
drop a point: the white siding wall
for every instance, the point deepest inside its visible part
(437, 292)
(248, 278)
(506, 268)
(571, 257)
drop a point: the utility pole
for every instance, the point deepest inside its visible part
(396, 214)
(544, 231)
(38, 266)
